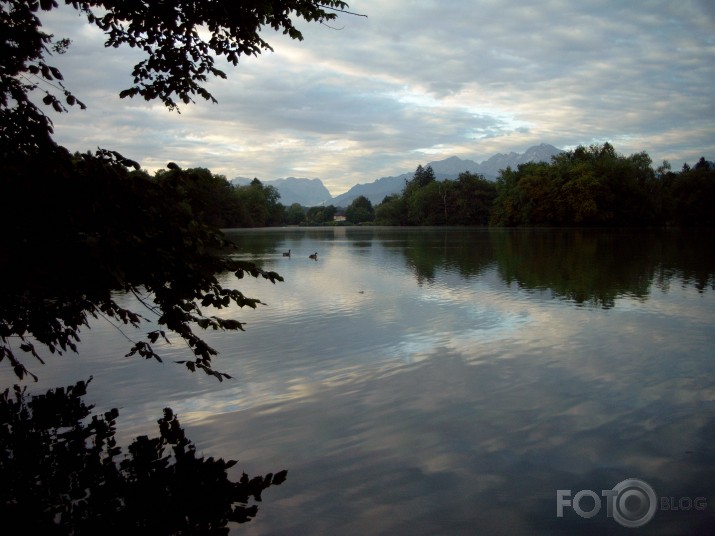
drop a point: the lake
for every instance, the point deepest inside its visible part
(449, 381)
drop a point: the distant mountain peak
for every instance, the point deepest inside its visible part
(312, 192)
(449, 168)
(305, 192)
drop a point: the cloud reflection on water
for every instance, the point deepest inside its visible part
(419, 390)
(444, 441)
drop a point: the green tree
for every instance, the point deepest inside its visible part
(525, 195)
(360, 210)
(425, 204)
(112, 228)
(691, 197)
(210, 197)
(320, 215)
(423, 176)
(473, 197)
(427, 201)
(295, 214)
(577, 194)
(505, 211)
(703, 164)
(586, 186)
(390, 211)
(259, 204)
(417, 202)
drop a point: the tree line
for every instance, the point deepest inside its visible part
(595, 186)
(592, 186)
(212, 199)
(427, 201)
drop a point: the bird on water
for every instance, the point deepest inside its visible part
(314, 256)
(286, 253)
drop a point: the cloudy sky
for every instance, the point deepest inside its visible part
(417, 81)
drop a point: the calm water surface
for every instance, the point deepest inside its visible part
(447, 381)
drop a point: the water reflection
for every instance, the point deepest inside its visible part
(598, 266)
(62, 472)
(446, 447)
(581, 266)
(449, 381)
(512, 364)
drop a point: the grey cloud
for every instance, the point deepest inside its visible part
(477, 77)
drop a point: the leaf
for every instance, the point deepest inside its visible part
(19, 371)
(280, 477)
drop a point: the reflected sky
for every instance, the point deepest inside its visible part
(417, 382)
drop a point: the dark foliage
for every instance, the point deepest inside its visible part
(689, 197)
(427, 201)
(320, 215)
(62, 472)
(595, 186)
(591, 186)
(77, 228)
(259, 205)
(179, 59)
(360, 211)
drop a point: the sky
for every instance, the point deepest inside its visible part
(417, 81)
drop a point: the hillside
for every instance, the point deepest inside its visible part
(312, 192)
(448, 168)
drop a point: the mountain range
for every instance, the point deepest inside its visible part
(312, 192)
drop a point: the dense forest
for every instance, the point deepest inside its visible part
(596, 186)
(591, 186)
(588, 186)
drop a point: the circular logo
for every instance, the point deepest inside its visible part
(635, 503)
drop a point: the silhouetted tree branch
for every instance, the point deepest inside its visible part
(62, 472)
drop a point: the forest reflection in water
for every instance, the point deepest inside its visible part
(424, 381)
(583, 265)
